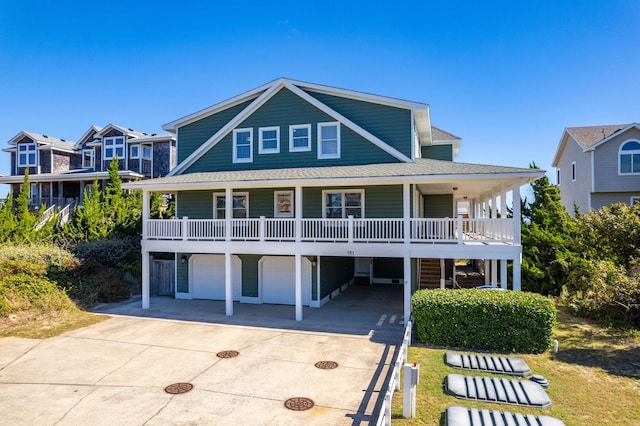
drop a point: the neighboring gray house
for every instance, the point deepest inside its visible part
(598, 165)
(59, 169)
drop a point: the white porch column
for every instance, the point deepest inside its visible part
(503, 273)
(517, 262)
(487, 271)
(228, 280)
(298, 213)
(407, 287)
(503, 203)
(228, 212)
(298, 286)
(494, 271)
(145, 213)
(442, 273)
(406, 211)
(145, 279)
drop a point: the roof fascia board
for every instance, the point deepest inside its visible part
(524, 178)
(350, 124)
(86, 134)
(607, 139)
(360, 96)
(14, 140)
(217, 137)
(104, 131)
(188, 119)
(67, 176)
(561, 145)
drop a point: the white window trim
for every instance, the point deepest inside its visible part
(294, 127)
(261, 149)
(150, 157)
(114, 147)
(235, 146)
(634, 199)
(574, 171)
(621, 152)
(342, 191)
(217, 195)
(275, 204)
(92, 158)
(328, 156)
(27, 153)
(137, 147)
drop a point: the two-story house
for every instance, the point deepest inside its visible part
(59, 170)
(290, 191)
(598, 165)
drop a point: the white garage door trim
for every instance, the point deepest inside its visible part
(207, 277)
(277, 280)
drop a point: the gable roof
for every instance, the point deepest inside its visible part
(590, 137)
(262, 94)
(93, 129)
(55, 143)
(440, 137)
(125, 130)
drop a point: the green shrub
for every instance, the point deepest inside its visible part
(49, 255)
(501, 321)
(110, 252)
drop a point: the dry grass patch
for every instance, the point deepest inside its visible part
(594, 379)
(35, 325)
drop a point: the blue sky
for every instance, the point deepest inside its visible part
(506, 76)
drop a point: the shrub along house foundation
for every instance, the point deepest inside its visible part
(289, 192)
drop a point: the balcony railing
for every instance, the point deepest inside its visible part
(351, 230)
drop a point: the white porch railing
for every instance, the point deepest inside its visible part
(384, 418)
(421, 230)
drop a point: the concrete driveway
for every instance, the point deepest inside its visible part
(116, 372)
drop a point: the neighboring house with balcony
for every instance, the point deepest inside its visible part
(289, 192)
(597, 166)
(59, 170)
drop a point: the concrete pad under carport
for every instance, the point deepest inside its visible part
(114, 372)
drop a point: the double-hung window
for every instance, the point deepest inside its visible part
(27, 154)
(113, 147)
(629, 154)
(342, 204)
(269, 140)
(240, 205)
(242, 145)
(88, 158)
(300, 137)
(146, 152)
(329, 140)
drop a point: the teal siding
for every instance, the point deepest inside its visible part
(284, 109)
(383, 201)
(191, 136)
(438, 152)
(250, 274)
(335, 271)
(312, 203)
(440, 205)
(390, 124)
(182, 284)
(388, 267)
(195, 204)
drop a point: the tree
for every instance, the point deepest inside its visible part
(7, 219)
(546, 240)
(24, 220)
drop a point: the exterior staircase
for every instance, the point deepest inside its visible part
(429, 273)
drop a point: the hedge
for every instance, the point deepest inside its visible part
(501, 321)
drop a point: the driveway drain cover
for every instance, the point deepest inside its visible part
(326, 365)
(177, 388)
(299, 403)
(227, 354)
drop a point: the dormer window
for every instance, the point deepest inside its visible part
(113, 147)
(27, 155)
(629, 154)
(88, 158)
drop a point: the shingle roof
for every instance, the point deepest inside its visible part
(590, 135)
(441, 135)
(50, 140)
(419, 168)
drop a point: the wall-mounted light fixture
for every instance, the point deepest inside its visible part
(183, 259)
(455, 188)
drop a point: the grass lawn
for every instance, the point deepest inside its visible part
(35, 325)
(594, 379)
